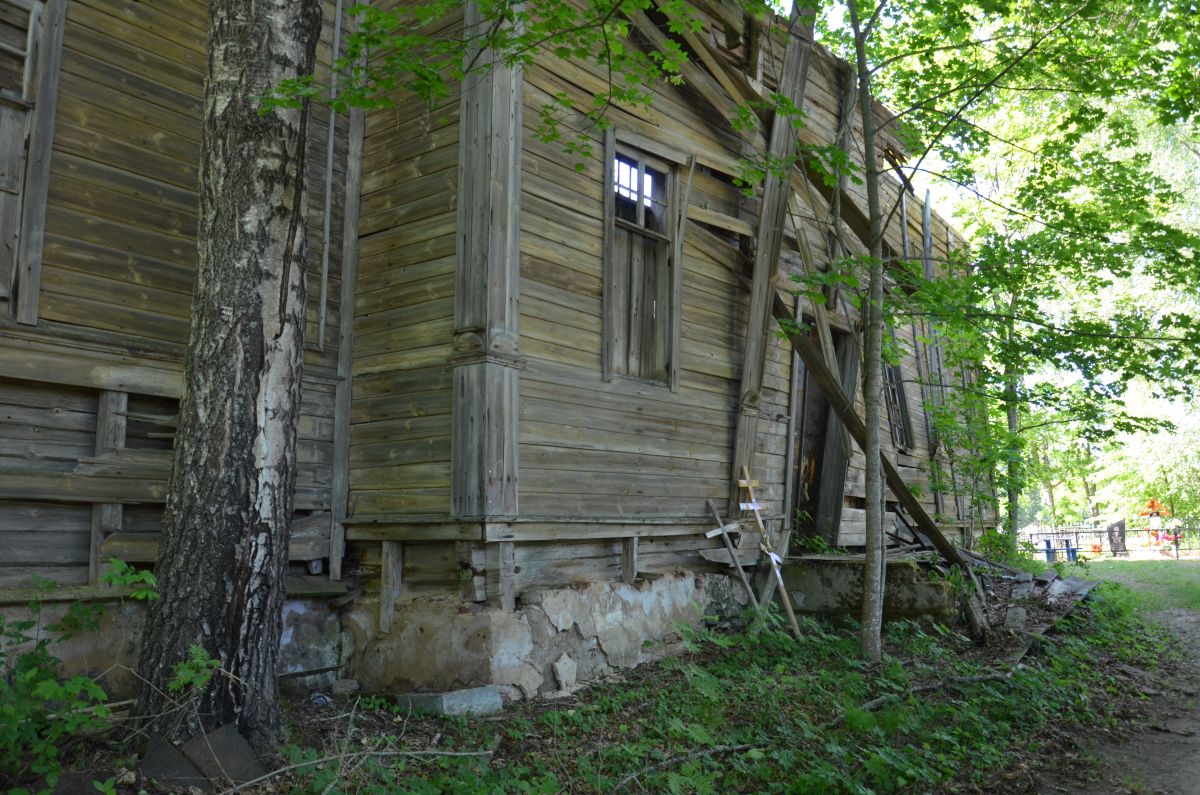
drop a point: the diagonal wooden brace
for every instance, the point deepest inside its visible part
(840, 404)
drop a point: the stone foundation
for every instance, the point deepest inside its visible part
(311, 640)
(557, 637)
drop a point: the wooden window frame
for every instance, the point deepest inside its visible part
(668, 161)
(897, 408)
(21, 271)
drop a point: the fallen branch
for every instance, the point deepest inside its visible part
(360, 755)
(876, 703)
(678, 760)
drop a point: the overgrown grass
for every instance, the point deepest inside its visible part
(1159, 583)
(762, 712)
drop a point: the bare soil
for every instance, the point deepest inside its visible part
(1155, 746)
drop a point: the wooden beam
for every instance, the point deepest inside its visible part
(37, 164)
(507, 554)
(582, 529)
(339, 495)
(26, 360)
(142, 547)
(391, 582)
(486, 359)
(403, 529)
(733, 80)
(110, 435)
(697, 79)
(629, 560)
(24, 484)
(472, 571)
(844, 408)
(769, 242)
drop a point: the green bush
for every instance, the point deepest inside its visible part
(40, 712)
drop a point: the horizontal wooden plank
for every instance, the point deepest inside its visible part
(558, 530)
(143, 547)
(399, 530)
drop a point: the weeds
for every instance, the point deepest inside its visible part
(760, 711)
(42, 714)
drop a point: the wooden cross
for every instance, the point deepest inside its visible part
(752, 505)
(724, 530)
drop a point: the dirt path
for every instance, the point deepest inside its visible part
(1160, 750)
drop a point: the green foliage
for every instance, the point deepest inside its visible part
(41, 713)
(797, 705)
(195, 672)
(142, 582)
(814, 545)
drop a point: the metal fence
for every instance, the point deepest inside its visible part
(1119, 539)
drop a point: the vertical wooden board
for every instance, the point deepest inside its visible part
(340, 489)
(629, 560)
(472, 570)
(110, 436)
(391, 582)
(486, 334)
(37, 165)
(610, 311)
(507, 567)
(12, 175)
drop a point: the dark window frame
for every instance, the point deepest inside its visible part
(896, 400)
(642, 279)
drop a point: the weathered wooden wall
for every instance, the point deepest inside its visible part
(88, 393)
(400, 454)
(601, 461)
(113, 301)
(399, 463)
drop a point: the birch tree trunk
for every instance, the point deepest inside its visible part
(223, 554)
(871, 626)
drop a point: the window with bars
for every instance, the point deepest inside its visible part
(640, 275)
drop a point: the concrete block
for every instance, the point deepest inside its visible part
(1015, 619)
(1046, 577)
(832, 585)
(1058, 588)
(223, 755)
(166, 765)
(1022, 590)
(471, 701)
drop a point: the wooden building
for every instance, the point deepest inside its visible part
(524, 369)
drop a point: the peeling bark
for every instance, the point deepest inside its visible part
(223, 554)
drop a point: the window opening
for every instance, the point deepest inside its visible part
(640, 278)
(897, 407)
(18, 40)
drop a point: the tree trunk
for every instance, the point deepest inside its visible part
(1014, 453)
(870, 641)
(223, 556)
(1049, 486)
(1012, 383)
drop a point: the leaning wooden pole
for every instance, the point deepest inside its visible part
(841, 405)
